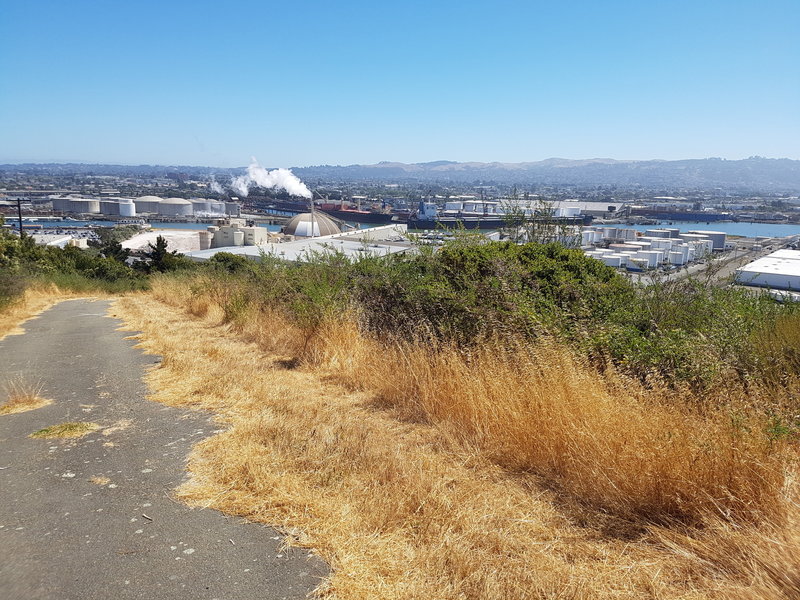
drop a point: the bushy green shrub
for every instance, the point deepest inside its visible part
(21, 260)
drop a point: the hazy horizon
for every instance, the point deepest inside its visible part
(488, 162)
(360, 83)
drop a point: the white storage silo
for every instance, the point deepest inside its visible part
(175, 207)
(147, 204)
(238, 238)
(200, 205)
(109, 207)
(84, 205)
(60, 204)
(126, 207)
(216, 207)
(677, 258)
(650, 257)
(692, 237)
(717, 237)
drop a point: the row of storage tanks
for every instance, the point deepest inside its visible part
(130, 207)
(656, 247)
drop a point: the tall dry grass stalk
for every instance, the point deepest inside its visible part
(21, 396)
(509, 474)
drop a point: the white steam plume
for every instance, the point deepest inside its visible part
(258, 176)
(215, 186)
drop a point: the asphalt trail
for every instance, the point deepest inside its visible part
(63, 536)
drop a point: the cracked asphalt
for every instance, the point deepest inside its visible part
(93, 517)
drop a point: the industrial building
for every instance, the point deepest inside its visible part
(144, 205)
(779, 270)
(376, 241)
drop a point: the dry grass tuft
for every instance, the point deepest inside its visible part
(100, 480)
(22, 397)
(444, 475)
(73, 429)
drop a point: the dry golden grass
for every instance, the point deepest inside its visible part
(22, 396)
(639, 453)
(455, 479)
(73, 429)
(35, 300)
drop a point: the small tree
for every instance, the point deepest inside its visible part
(161, 260)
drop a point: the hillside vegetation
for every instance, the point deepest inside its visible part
(664, 416)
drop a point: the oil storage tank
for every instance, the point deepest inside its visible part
(109, 207)
(147, 204)
(717, 237)
(127, 208)
(175, 207)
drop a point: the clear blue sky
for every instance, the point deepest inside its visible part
(314, 82)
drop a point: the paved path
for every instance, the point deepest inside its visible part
(63, 536)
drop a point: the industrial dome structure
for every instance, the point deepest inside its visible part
(311, 225)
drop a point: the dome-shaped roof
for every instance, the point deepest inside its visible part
(175, 201)
(301, 225)
(148, 199)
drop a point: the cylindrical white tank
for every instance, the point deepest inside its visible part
(84, 205)
(216, 207)
(717, 237)
(238, 238)
(200, 205)
(659, 233)
(109, 207)
(205, 240)
(175, 207)
(127, 208)
(677, 258)
(147, 204)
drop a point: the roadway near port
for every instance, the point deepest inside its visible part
(94, 517)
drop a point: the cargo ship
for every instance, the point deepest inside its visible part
(481, 215)
(338, 210)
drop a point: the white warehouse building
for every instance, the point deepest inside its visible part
(779, 270)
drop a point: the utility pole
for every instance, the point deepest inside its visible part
(19, 215)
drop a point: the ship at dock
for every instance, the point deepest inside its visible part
(487, 215)
(339, 209)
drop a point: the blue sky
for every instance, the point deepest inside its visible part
(306, 82)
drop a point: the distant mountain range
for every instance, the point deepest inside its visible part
(755, 174)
